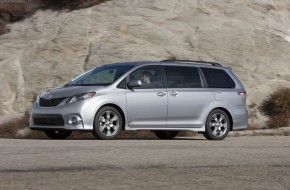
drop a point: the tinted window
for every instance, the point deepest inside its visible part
(149, 75)
(182, 77)
(100, 76)
(217, 78)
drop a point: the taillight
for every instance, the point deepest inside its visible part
(243, 93)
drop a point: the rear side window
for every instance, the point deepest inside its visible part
(218, 78)
(182, 77)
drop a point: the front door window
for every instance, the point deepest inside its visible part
(150, 77)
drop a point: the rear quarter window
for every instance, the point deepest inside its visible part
(217, 78)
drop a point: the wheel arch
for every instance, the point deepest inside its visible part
(119, 109)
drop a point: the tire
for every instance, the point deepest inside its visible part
(166, 134)
(217, 125)
(108, 123)
(58, 134)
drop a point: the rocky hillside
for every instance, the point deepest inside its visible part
(51, 47)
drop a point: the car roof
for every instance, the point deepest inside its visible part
(171, 62)
(124, 64)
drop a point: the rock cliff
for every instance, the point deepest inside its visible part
(50, 47)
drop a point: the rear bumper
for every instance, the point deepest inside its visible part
(240, 118)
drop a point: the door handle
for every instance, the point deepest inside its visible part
(161, 94)
(173, 93)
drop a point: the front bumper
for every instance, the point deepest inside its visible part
(75, 116)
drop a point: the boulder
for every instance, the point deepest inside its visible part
(51, 47)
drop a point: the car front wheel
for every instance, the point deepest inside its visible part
(108, 123)
(217, 125)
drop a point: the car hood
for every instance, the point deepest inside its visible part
(69, 91)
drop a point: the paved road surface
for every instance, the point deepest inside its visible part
(185, 163)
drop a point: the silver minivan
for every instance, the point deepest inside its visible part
(164, 97)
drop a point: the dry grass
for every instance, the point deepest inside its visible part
(10, 128)
(277, 107)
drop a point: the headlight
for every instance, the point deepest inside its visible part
(80, 97)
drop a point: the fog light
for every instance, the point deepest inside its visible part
(74, 120)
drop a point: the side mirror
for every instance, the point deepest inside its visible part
(134, 83)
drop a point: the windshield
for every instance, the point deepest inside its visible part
(100, 76)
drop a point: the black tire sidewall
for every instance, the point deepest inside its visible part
(208, 134)
(97, 133)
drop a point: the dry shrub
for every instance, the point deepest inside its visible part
(11, 12)
(15, 11)
(3, 28)
(277, 108)
(10, 128)
(287, 133)
(255, 126)
(187, 134)
(70, 4)
(278, 121)
(137, 135)
(18, 128)
(277, 103)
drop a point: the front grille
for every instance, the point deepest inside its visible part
(48, 120)
(50, 103)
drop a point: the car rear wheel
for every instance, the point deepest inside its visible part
(58, 134)
(217, 125)
(108, 123)
(166, 134)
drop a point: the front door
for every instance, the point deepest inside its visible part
(147, 105)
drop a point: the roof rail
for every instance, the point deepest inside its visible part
(192, 61)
